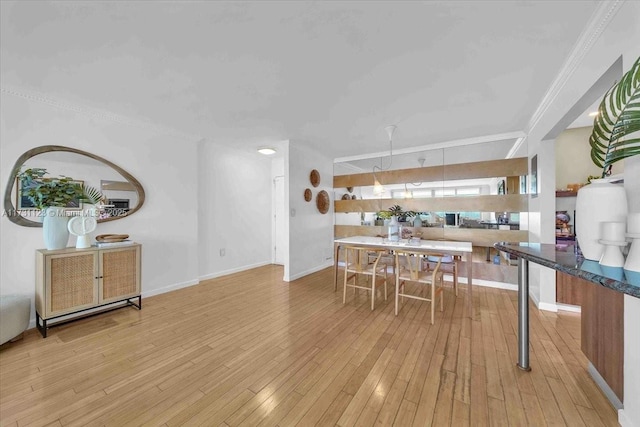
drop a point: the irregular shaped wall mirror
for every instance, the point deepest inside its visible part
(123, 193)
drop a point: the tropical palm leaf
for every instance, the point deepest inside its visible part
(616, 128)
(91, 194)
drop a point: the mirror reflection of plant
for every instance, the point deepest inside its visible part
(63, 191)
(396, 210)
(384, 215)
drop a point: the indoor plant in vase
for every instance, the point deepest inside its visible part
(615, 136)
(52, 196)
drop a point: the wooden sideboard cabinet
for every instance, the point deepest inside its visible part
(70, 281)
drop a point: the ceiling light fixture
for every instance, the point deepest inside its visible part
(378, 189)
(266, 151)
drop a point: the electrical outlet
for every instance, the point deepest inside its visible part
(222, 252)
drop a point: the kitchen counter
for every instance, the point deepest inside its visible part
(602, 318)
(562, 258)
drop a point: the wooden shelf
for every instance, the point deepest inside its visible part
(566, 193)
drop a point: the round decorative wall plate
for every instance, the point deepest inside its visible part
(314, 177)
(323, 202)
(307, 195)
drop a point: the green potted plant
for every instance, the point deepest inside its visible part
(52, 196)
(616, 128)
(615, 136)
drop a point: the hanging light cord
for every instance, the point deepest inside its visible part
(380, 168)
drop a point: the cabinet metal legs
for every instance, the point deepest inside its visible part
(41, 323)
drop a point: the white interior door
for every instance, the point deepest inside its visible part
(279, 236)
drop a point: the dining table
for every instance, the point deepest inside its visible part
(444, 247)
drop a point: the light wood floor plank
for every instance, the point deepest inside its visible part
(250, 349)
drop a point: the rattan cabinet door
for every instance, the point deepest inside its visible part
(71, 283)
(120, 274)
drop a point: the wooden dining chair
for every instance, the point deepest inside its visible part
(357, 262)
(409, 269)
(448, 264)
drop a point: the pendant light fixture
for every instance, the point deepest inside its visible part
(378, 189)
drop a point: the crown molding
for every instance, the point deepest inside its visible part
(600, 19)
(95, 113)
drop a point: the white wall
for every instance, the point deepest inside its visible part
(310, 232)
(165, 165)
(235, 190)
(573, 158)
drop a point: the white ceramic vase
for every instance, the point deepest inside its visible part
(54, 228)
(597, 202)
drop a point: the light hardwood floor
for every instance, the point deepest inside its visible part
(249, 349)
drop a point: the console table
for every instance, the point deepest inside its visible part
(70, 281)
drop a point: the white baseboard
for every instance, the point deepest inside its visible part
(310, 271)
(604, 387)
(569, 307)
(170, 288)
(547, 306)
(623, 420)
(234, 270)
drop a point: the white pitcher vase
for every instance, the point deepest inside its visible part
(599, 201)
(54, 228)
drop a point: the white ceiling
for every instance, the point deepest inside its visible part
(331, 74)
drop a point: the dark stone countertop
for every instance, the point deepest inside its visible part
(562, 258)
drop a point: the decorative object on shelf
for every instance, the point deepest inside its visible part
(111, 238)
(323, 202)
(54, 228)
(353, 197)
(346, 197)
(612, 237)
(307, 195)
(562, 223)
(612, 254)
(350, 189)
(314, 177)
(602, 200)
(81, 226)
(632, 264)
(616, 127)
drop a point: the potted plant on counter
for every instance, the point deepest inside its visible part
(615, 136)
(52, 196)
